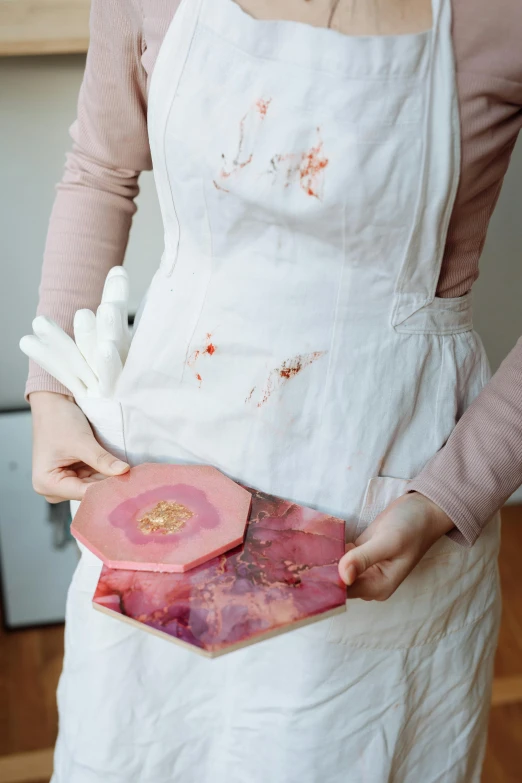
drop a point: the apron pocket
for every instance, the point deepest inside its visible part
(106, 417)
(380, 492)
(451, 587)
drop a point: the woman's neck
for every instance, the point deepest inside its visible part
(352, 17)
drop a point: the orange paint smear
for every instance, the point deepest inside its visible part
(305, 167)
(313, 163)
(236, 163)
(288, 370)
(262, 106)
(193, 358)
(237, 166)
(209, 349)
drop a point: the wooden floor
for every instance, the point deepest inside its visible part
(504, 755)
(30, 663)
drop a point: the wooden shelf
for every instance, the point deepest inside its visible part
(43, 26)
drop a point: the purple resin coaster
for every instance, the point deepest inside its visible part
(161, 517)
(283, 576)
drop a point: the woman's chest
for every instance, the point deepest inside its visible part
(351, 17)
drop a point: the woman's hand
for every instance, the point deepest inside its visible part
(383, 556)
(66, 455)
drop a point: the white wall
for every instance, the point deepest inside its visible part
(37, 105)
(498, 291)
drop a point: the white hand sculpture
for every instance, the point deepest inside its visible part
(116, 293)
(92, 362)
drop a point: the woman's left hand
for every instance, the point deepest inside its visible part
(383, 556)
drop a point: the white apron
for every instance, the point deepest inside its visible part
(291, 336)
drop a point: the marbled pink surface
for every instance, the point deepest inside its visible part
(283, 574)
(107, 520)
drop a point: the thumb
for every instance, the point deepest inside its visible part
(94, 455)
(359, 558)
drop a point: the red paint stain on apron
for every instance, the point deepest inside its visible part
(239, 162)
(209, 350)
(262, 106)
(312, 165)
(236, 166)
(305, 167)
(288, 370)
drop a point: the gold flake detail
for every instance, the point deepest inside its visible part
(166, 517)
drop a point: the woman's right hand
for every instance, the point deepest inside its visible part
(66, 455)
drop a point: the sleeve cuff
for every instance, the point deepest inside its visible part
(44, 382)
(466, 529)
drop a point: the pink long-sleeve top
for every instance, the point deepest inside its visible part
(481, 464)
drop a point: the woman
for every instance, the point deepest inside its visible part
(325, 195)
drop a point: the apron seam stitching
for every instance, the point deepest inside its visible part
(207, 285)
(450, 200)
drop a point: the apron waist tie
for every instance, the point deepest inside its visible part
(440, 316)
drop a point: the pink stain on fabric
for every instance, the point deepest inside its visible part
(262, 106)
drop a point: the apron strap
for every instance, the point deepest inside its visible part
(417, 281)
(179, 38)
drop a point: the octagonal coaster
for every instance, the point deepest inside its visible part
(282, 577)
(160, 517)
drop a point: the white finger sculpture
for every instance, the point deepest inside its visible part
(85, 335)
(116, 292)
(90, 364)
(46, 357)
(109, 366)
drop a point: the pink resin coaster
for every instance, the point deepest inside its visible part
(283, 576)
(160, 517)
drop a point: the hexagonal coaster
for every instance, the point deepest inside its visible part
(283, 576)
(159, 517)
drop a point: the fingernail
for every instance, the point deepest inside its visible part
(120, 467)
(349, 575)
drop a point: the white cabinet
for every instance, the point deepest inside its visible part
(37, 555)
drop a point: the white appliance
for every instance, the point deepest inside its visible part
(37, 553)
